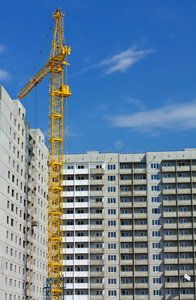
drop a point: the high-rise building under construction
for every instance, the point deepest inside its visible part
(23, 204)
(129, 226)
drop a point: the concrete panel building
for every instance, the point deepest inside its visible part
(129, 226)
(23, 204)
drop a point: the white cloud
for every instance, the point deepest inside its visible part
(177, 116)
(123, 61)
(120, 62)
(4, 75)
(2, 48)
(136, 102)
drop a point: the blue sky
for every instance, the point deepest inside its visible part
(132, 73)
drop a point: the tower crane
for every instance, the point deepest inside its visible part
(58, 91)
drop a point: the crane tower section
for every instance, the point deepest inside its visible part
(58, 92)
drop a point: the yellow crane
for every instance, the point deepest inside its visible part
(58, 91)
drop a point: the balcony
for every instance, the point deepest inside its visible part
(183, 168)
(96, 227)
(96, 182)
(96, 297)
(126, 262)
(81, 216)
(96, 274)
(126, 193)
(169, 202)
(170, 249)
(96, 204)
(125, 182)
(169, 226)
(81, 227)
(140, 238)
(96, 193)
(126, 286)
(81, 182)
(126, 273)
(185, 214)
(126, 216)
(172, 261)
(126, 239)
(126, 204)
(126, 227)
(186, 237)
(139, 193)
(187, 225)
(171, 273)
(96, 238)
(185, 261)
(140, 227)
(141, 285)
(141, 262)
(97, 171)
(183, 179)
(168, 169)
(126, 250)
(169, 180)
(184, 191)
(140, 216)
(139, 182)
(98, 286)
(140, 204)
(169, 191)
(170, 237)
(97, 250)
(97, 262)
(81, 239)
(82, 171)
(125, 171)
(141, 273)
(170, 285)
(141, 250)
(171, 214)
(96, 216)
(186, 249)
(139, 170)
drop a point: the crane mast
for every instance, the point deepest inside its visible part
(58, 91)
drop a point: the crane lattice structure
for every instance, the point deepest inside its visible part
(58, 91)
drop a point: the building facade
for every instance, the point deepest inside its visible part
(23, 204)
(129, 226)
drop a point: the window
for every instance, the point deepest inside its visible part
(156, 222)
(156, 245)
(170, 292)
(111, 223)
(111, 269)
(111, 234)
(155, 177)
(155, 188)
(155, 166)
(157, 292)
(111, 200)
(111, 281)
(111, 178)
(111, 167)
(155, 211)
(156, 257)
(156, 233)
(111, 211)
(112, 293)
(155, 199)
(144, 268)
(111, 257)
(156, 268)
(111, 246)
(111, 189)
(142, 199)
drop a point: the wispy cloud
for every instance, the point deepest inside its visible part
(2, 48)
(136, 102)
(4, 75)
(120, 62)
(176, 116)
